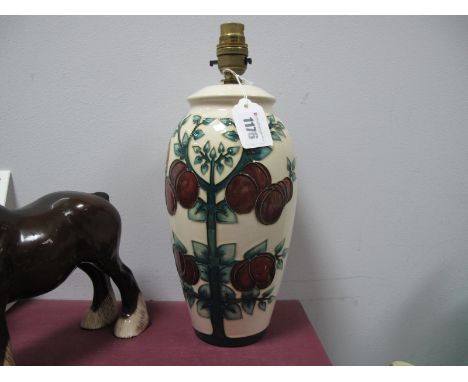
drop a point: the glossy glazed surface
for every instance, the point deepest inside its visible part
(238, 230)
(43, 242)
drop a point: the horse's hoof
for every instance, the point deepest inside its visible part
(105, 315)
(127, 327)
(8, 360)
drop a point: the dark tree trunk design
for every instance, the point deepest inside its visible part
(216, 300)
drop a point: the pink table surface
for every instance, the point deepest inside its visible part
(47, 332)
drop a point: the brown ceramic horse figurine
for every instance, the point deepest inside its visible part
(43, 242)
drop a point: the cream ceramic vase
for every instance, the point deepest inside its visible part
(231, 212)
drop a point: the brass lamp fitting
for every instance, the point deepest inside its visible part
(232, 51)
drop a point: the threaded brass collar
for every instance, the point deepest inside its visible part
(232, 51)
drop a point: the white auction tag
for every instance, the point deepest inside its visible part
(251, 124)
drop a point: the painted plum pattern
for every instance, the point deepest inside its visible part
(247, 187)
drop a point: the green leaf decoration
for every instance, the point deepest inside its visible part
(227, 121)
(198, 159)
(213, 153)
(224, 214)
(207, 121)
(190, 299)
(203, 308)
(262, 305)
(280, 125)
(197, 134)
(178, 150)
(221, 148)
(280, 132)
(226, 253)
(285, 253)
(233, 150)
(207, 147)
(258, 249)
(201, 251)
(232, 312)
(228, 161)
(219, 168)
(279, 247)
(196, 149)
(204, 272)
(248, 306)
(279, 264)
(185, 139)
(254, 293)
(204, 292)
(178, 243)
(227, 294)
(267, 292)
(291, 166)
(259, 153)
(249, 300)
(198, 212)
(225, 274)
(275, 136)
(204, 168)
(231, 135)
(276, 128)
(196, 119)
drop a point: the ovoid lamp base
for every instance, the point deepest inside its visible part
(230, 342)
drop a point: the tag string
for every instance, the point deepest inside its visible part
(241, 81)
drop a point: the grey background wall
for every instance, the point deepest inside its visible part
(378, 107)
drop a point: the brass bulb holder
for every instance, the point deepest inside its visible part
(232, 51)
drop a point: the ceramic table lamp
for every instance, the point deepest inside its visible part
(231, 209)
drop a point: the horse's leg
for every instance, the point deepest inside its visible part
(6, 358)
(103, 310)
(134, 318)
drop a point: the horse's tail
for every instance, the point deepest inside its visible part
(102, 195)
